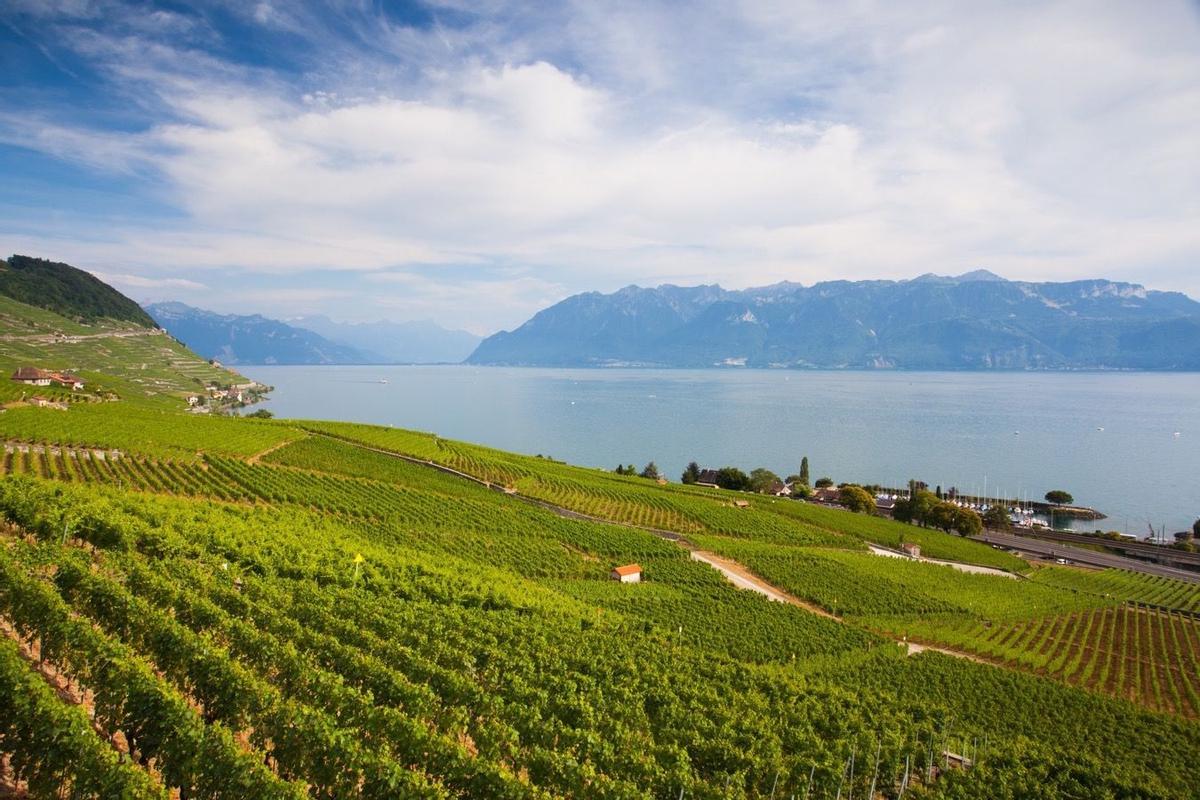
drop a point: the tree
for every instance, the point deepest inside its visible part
(762, 479)
(624, 470)
(691, 473)
(261, 413)
(801, 492)
(996, 517)
(916, 509)
(938, 492)
(804, 470)
(966, 521)
(1059, 498)
(824, 483)
(732, 478)
(650, 471)
(942, 515)
(1196, 529)
(857, 499)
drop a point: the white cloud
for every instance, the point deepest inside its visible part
(758, 142)
(122, 280)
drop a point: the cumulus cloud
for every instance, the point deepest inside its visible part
(759, 142)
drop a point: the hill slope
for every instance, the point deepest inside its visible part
(321, 618)
(116, 358)
(973, 321)
(254, 339)
(67, 291)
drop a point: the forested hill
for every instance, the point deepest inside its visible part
(972, 321)
(67, 291)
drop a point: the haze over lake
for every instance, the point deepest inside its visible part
(952, 429)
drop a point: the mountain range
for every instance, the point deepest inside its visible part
(973, 321)
(255, 339)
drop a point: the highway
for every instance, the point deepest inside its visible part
(1080, 555)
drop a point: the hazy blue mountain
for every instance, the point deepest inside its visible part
(972, 321)
(234, 339)
(396, 342)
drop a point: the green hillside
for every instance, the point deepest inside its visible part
(67, 291)
(209, 606)
(115, 358)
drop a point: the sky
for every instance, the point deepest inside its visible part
(472, 161)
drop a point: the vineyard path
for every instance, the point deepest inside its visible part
(257, 457)
(735, 573)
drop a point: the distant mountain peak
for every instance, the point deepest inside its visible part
(967, 277)
(977, 320)
(979, 275)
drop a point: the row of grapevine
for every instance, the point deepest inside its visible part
(1124, 585)
(1139, 654)
(534, 704)
(145, 431)
(51, 745)
(151, 475)
(685, 510)
(162, 730)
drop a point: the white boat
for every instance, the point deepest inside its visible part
(383, 380)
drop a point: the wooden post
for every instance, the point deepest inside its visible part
(875, 777)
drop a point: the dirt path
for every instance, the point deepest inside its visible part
(743, 578)
(71, 338)
(254, 459)
(914, 648)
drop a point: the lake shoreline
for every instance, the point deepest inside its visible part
(1089, 433)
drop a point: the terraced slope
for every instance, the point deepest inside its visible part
(250, 608)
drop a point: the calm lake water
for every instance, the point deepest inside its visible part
(952, 429)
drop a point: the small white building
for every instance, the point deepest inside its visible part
(630, 573)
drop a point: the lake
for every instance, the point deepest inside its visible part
(1108, 438)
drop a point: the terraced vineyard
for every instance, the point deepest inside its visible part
(142, 430)
(863, 584)
(317, 619)
(1139, 654)
(1124, 585)
(685, 510)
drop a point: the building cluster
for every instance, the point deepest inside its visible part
(216, 396)
(32, 376)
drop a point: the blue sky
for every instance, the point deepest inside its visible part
(472, 162)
